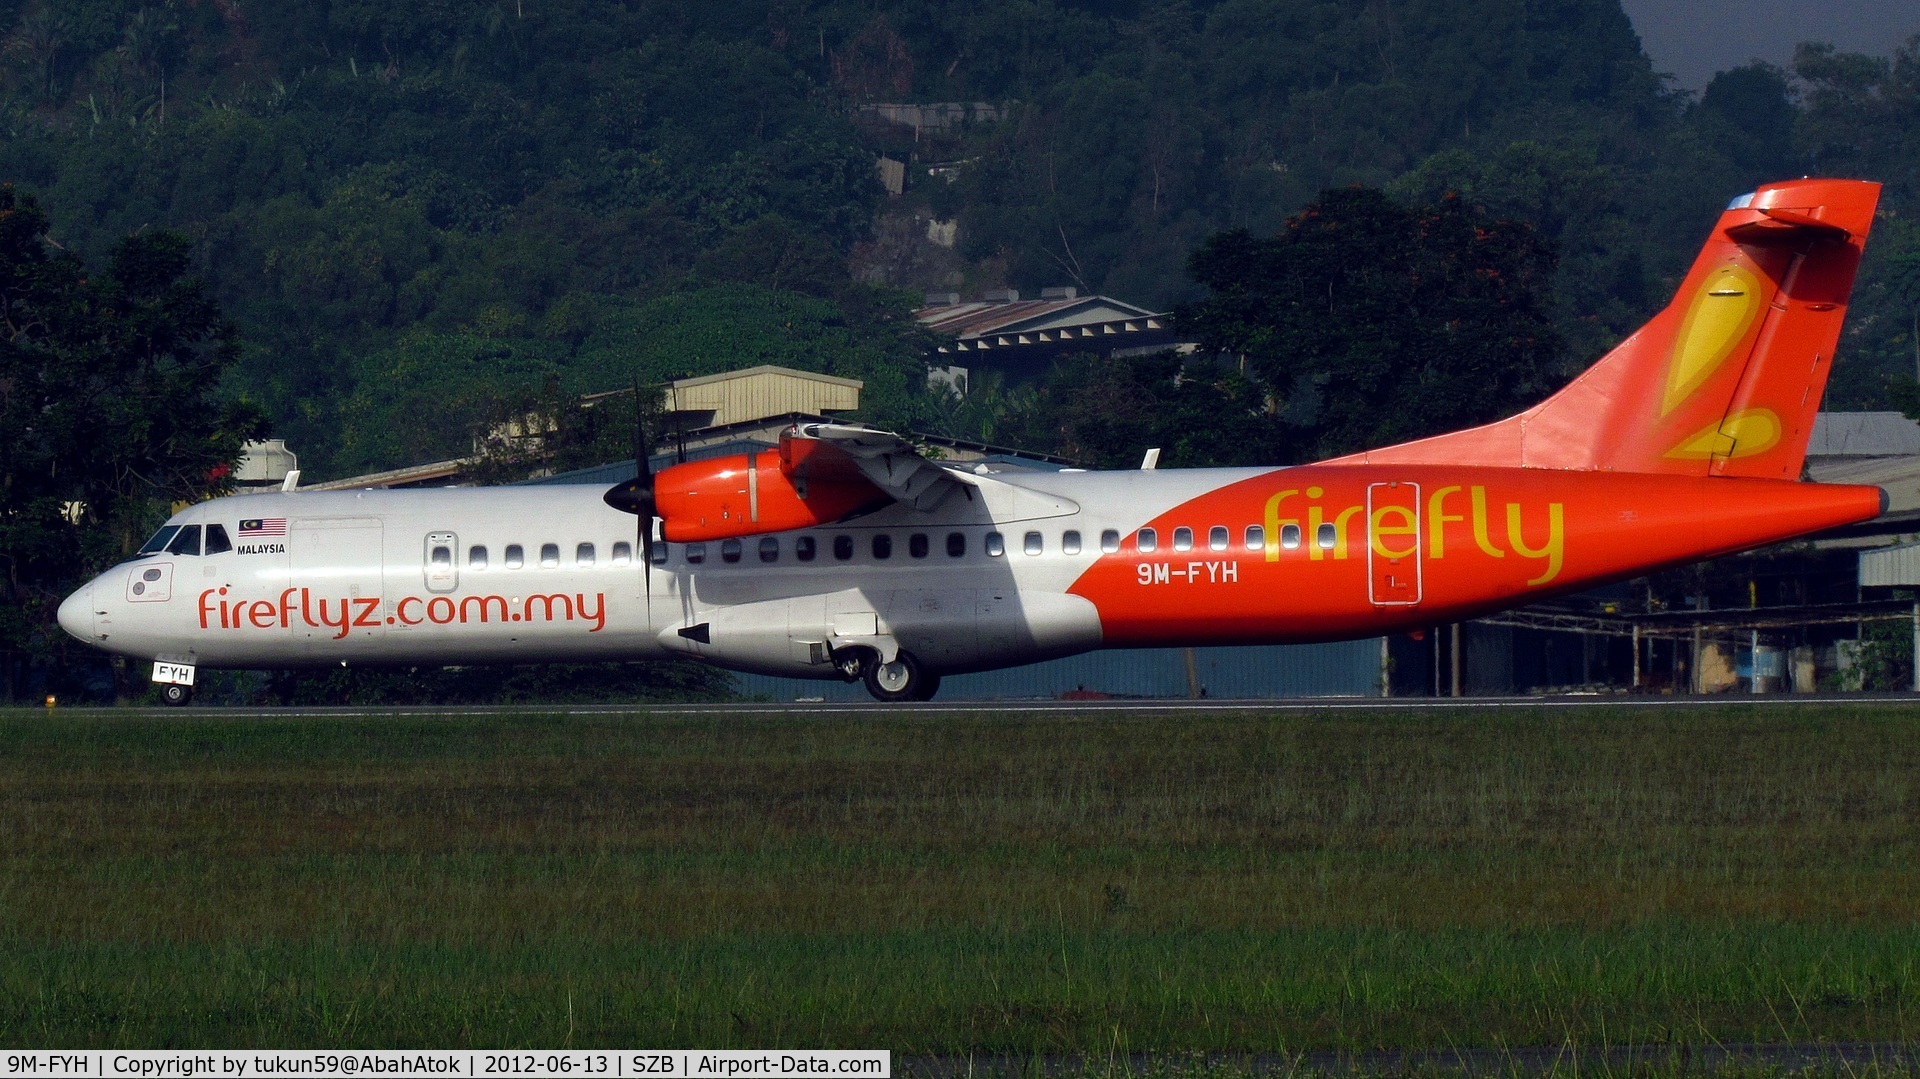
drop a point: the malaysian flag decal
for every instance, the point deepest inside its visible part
(264, 526)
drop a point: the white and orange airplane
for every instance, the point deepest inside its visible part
(846, 554)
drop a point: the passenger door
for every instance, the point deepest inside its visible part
(441, 563)
(338, 568)
(1393, 544)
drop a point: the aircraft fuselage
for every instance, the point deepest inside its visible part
(1035, 565)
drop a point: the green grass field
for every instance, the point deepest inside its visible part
(950, 885)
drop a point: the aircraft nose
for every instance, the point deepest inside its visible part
(76, 614)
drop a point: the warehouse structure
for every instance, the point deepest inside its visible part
(1020, 339)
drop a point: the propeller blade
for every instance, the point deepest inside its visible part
(635, 496)
(643, 469)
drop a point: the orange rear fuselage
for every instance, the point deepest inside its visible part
(1357, 550)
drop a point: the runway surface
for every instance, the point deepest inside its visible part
(1063, 709)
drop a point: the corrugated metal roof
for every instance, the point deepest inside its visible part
(963, 320)
(1898, 476)
(1863, 434)
(759, 392)
(768, 369)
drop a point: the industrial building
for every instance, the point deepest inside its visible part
(1020, 339)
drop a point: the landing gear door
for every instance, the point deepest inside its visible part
(1393, 544)
(441, 561)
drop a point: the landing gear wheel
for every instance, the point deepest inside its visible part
(902, 680)
(175, 695)
(851, 662)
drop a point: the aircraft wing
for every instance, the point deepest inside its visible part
(883, 459)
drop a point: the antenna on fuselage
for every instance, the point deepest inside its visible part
(679, 425)
(1151, 461)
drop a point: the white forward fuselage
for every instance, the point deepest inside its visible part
(550, 573)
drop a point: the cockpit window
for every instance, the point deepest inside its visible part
(185, 541)
(217, 541)
(159, 541)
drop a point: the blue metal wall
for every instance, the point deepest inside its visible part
(1344, 669)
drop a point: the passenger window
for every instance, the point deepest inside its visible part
(1183, 538)
(1290, 537)
(1149, 540)
(1110, 540)
(622, 554)
(956, 545)
(882, 546)
(1256, 537)
(1032, 543)
(1217, 538)
(441, 560)
(159, 541)
(515, 556)
(1070, 542)
(549, 555)
(769, 549)
(996, 545)
(729, 550)
(476, 558)
(217, 541)
(1325, 536)
(842, 547)
(583, 555)
(660, 553)
(803, 548)
(696, 553)
(917, 545)
(185, 541)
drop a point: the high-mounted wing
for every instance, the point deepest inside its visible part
(822, 472)
(886, 460)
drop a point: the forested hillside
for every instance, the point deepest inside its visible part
(415, 210)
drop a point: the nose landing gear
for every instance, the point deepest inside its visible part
(175, 695)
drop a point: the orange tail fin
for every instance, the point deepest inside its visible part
(1726, 380)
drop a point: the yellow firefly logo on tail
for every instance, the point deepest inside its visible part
(1743, 434)
(1716, 322)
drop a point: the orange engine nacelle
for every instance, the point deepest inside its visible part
(751, 493)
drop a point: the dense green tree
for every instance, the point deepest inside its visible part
(358, 175)
(1751, 113)
(108, 395)
(1376, 323)
(1108, 413)
(1574, 201)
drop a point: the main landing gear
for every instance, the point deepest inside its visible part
(175, 695)
(903, 679)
